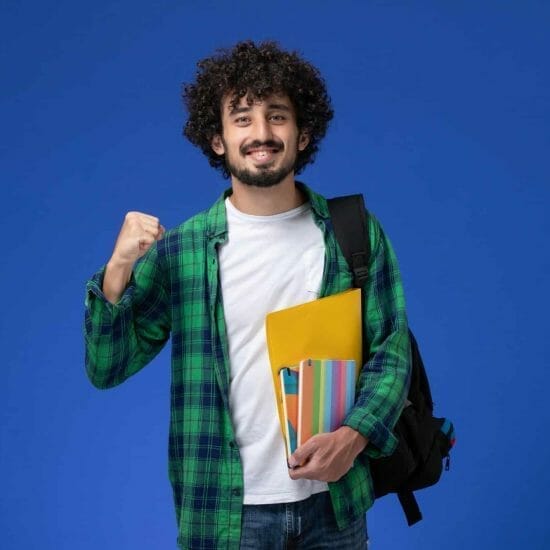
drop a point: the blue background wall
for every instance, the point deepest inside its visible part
(442, 120)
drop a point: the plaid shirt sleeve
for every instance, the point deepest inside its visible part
(122, 338)
(384, 379)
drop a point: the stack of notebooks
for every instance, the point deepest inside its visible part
(313, 391)
(316, 396)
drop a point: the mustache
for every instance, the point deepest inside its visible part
(269, 144)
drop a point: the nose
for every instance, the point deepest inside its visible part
(262, 130)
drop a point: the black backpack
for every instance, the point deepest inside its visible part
(424, 441)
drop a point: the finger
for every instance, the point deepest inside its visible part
(153, 219)
(149, 224)
(150, 231)
(302, 453)
(153, 229)
(136, 218)
(161, 233)
(156, 229)
(146, 238)
(143, 216)
(304, 472)
(148, 219)
(149, 235)
(145, 243)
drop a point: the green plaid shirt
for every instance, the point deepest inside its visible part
(175, 290)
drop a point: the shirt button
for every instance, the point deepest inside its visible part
(236, 492)
(232, 444)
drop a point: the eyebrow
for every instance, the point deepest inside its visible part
(271, 106)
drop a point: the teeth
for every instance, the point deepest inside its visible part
(260, 155)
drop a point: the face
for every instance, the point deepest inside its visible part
(260, 141)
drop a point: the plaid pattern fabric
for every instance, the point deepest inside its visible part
(175, 291)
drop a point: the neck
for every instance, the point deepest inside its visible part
(266, 201)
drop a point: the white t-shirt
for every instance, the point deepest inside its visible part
(268, 263)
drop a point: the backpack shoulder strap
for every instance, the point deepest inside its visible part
(350, 222)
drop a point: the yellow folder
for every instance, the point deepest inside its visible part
(329, 328)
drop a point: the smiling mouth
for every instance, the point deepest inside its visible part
(263, 154)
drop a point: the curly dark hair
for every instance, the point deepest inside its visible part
(255, 71)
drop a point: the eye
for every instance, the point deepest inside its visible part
(242, 120)
(277, 118)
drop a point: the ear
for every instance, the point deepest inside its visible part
(217, 145)
(303, 140)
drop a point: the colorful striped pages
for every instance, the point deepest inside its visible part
(289, 392)
(317, 396)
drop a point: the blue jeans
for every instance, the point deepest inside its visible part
(308, 524)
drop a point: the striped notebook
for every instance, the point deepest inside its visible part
(289, 393)
(317, 396)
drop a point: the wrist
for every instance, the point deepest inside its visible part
(119, 265)
(355, 439)
(115, 279)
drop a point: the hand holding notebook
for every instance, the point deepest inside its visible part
(328, 456)
(317, 395)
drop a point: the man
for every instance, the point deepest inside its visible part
(258, 113)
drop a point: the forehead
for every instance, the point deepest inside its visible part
(230, 103)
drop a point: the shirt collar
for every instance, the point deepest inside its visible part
(318, 202)
(217, 215)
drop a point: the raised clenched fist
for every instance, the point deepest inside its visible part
(139, 231)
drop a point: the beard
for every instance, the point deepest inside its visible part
(265, 175)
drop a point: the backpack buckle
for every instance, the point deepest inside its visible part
(360, 275)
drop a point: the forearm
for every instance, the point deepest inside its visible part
(382, 388)
(115, 280)
(383, 381)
